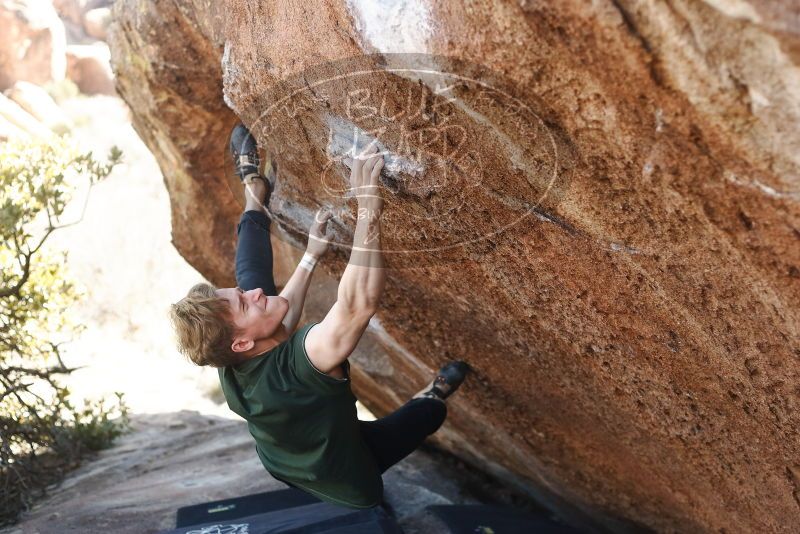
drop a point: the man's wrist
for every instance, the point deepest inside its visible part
(371, 203)
(308, 262)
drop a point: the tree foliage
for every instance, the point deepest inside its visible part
(42, 434)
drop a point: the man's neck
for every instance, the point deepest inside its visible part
(263, 345)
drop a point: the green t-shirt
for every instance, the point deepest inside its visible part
(304, 423)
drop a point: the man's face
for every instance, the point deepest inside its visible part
(255, 315)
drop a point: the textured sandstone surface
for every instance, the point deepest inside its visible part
(596, 205)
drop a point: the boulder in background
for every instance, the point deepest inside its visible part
(88, 66)
(96, 21)
(33, 42)
(38, 103)
(22, 121)
(80, 29)
(71, 10)
(9, 131)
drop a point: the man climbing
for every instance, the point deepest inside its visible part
(293, 387)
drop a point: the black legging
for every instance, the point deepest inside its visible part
(390, 438)
(254, 253)
(397, 435)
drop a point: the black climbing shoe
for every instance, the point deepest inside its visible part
(448, 380)
(244, 150)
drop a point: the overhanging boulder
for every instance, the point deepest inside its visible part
(596, 206)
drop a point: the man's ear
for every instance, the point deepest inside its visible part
(242, 345)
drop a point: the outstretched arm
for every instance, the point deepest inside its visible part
(296, 288)
(332, 341)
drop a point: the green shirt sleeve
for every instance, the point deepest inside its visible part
(310, 375)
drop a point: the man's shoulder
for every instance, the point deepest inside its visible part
(298, 338)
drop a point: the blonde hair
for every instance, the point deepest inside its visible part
(203, 327)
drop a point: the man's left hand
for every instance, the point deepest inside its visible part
(317, 241)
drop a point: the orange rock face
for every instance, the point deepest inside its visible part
(597, 206)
